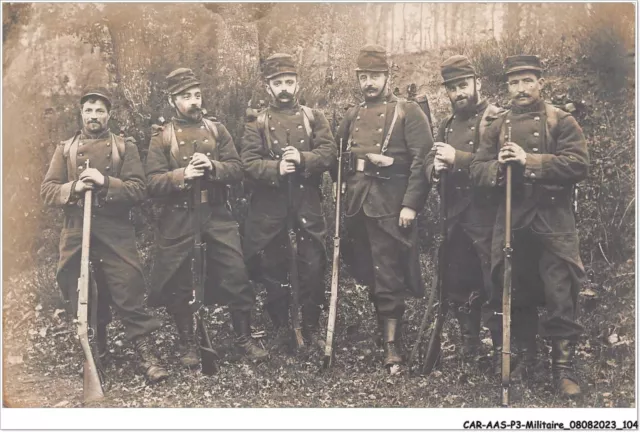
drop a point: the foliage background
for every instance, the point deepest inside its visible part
(52, 51)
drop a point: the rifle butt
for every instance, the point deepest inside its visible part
(92, 387)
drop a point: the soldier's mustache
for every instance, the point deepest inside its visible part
(370, 88)
(523, 95)
(285, 95)
(194, 110)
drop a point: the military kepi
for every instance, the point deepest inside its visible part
(372, 58)
(97, 92)
(456, 67)
(180, 80)
(522, 62)
(278, 64)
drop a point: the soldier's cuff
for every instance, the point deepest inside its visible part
(216, 169)
(104, 189)
(67, 195)
(112, 185)
(497, 174)
(533, 167)
(462, 161)
(303, 165)
(177, 178)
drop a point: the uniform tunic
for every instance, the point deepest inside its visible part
(265, 239)
(114, 255)
(471, 212)
(382, 254)
(546, 247)
(171, 279)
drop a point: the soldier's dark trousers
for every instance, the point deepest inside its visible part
(119, 284)
(274, 267)
(539, 277)
(464, 275)
(227, 281)
(381, 255)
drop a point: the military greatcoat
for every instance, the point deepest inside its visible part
(383, 255)
(269, 207)
(170, 151)
(470, 209)
(113, 248)
(557, 159)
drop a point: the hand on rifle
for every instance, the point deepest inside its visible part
(407, 215)
(93, 176)
(291, 154)
(200, 161)
(512, 153)
(81, 187)
(196, 167)
(445, 152)
(287, 167)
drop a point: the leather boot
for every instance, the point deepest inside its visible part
(391, 337)
(310, 331)
(187, 344)
(148, 362)
(526, 359)
(566, 382)
(242, 326)
(279, 313)
(469, 329)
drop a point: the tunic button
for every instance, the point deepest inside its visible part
(206, 141)
(208, 154)
(302, 140)
(535, 149)
(201, 126)
(381, 114)
(365, 107)
(301, 186)
(377, 144)
(473, 128)
(450, 130)
(272, 128)
(80, 168)
(357, 129)
(379, 129)
(275, 141)
(269, 115)
(536, 134)
(298, 113)
(299, 126)
(533, 174)
(184, 158)
(277, 156)
(108, 144)
(181, 142)
(507, 121)
(108, 168)
(358, 118)
(385, 102)
(108, 154)
(470, 142)
(536, 118)
(179, 130)
(80, 154)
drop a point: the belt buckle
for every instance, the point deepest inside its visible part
(204, 196)
(360, 165)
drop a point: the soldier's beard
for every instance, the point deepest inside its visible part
(193, 113)
(467, 108)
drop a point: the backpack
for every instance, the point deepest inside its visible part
(70, 151)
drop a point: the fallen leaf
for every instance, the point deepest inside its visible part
(39, 307)
(61, 404)
(15, 360)
(613, 338)
(588, 293)
(43, 331)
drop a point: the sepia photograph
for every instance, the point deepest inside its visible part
(321, 205)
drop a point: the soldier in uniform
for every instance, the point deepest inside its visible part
(116, 175)
(548, 153)
(471, 212)
(189, 147)
(388, 140)
(289, 145)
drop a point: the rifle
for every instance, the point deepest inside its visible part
(433, 348)
(506, 290)
(208, 356)
(92, 386)
(335, 274)
(293, 264)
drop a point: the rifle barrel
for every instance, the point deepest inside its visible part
(506, 290)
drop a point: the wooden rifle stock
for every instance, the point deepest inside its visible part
(335, 274)
(506, 290)
(208, 356)
(293, 263)
(92, 387)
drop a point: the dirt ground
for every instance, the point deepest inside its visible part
(42, 360)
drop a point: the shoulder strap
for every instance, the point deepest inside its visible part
(396, 113)
(70, 152)
(308, 119)
(213, 129)
(490, 111)
(550, 124)
(263, 128)
(170, 142)
(118, 151)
